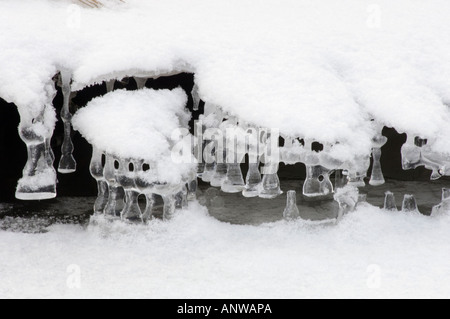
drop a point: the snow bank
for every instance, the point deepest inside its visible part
(319, 69)
(371, 253)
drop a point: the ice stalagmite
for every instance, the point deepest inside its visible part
(377, 178)
(169, 206)
(444, 205)
(181, 199)
(291, 210)
(96, 168)
(389, 202)
(209, 154)
(126, 176)
(67, 164)
(409, 204)
(110, 85)
(140, 82)
(192, 189)
(115, 203)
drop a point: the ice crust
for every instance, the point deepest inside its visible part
(320, 70)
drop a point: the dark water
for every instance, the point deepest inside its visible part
(36, 216)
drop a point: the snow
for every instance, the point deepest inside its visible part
(320, 70)
(371, 253)
(140, 125)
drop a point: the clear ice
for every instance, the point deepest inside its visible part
(291, 210)
(389, 202)
(67, 164)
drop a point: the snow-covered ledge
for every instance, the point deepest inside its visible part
(320, 71)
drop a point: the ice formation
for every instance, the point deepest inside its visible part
(133, 130)
(322, 72)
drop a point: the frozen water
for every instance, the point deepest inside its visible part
(389, 202)
(67, 164)
(291, 210)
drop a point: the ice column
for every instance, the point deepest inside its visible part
(67, 164)
(270, 184)
(317, 182)
(221, 170)
(169, 206)
(115, 203)
(291, 210)
(377, 177)
(444, 205)
(126, 178)
(192, 189)
(181, 200)
(96, 169)
(252, 181)
(39, 176)
(389, 202)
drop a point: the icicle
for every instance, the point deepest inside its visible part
(210, 165)
(340, 178)
(195, 97)
(115, 203)
(181, 200)
(140, 82)
(444, 205)
(252, 181)
(192, 190)
(270, 184)
(377, 177)
(221, 170)
(409, 204)
(67, 164)
(96, 170)
(411, 153)
(169, 207)
(291, 210)
(39, 176)
(126, 178)
(234, 181)
(389, 202)
(317, 182)
(110, 85)
(147, 214)
(219, 175)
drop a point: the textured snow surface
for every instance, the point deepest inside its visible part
(141, 125)
(320, 69)
(370, 253)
